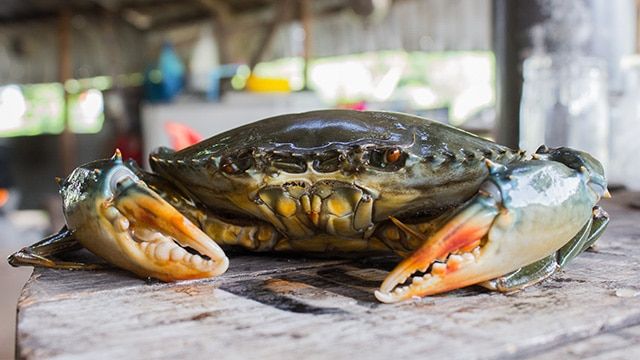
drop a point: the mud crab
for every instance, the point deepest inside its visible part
(459, 209)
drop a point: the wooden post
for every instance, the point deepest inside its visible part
(637, 26)
(221, 32)
(306, 18)
(512, 23)
(221, 16)
(282, 14)
(65, 72)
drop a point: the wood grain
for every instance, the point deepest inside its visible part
(278, 308)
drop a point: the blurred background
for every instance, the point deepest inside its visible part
(79, 78)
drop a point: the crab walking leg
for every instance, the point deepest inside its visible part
(260, 237)
(44, 253)
(519, 215)
(524, 277)
(574, 248)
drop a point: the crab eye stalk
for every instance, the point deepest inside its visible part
(329, 161)
(289, 163)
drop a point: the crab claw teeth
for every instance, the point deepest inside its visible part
(468, 257)
(438, 268)
(454, 261)
(466, 228)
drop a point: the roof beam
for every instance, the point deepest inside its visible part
(222, 15)
(282, 14)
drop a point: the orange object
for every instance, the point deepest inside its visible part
(181, 135)
(4, 196)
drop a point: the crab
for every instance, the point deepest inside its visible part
(459, 209)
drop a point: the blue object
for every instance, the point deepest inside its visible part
(222, 72)
(165, 81)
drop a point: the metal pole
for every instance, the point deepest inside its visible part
(512, 23)
(512, 41)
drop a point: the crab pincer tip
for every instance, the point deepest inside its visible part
(385, 297)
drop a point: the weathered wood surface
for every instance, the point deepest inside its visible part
(276, 308)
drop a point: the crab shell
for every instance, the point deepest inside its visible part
(328, 172)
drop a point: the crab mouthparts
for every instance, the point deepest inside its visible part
(170, 247)
(456, 245)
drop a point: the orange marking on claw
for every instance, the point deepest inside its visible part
(455, 240)
(471, 246)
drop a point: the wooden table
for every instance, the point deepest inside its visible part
(269, 307)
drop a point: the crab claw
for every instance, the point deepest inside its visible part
(118, 217)
(520, 215)
(458, 243)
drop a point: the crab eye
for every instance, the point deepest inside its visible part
(230, 168)
(237, 165)
(387, 159)
(393, 155)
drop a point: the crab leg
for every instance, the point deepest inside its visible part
(542, 269)
(467, 228)
(464, 230)
(44, 253)
(519, 217)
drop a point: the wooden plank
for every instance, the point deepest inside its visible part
(278, 308)
(620, 344)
